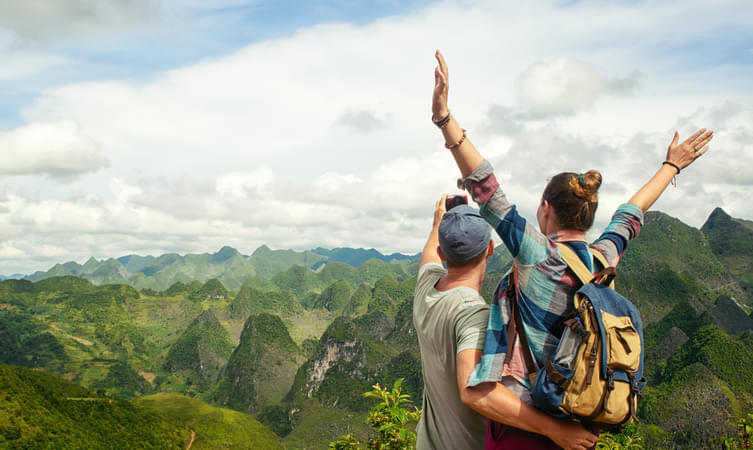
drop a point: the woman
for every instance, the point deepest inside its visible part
(566, 211)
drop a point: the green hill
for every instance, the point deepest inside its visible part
(41, 410)
(200, 352)
(669, 263)
(213, 427)
(732, 242)
(699, 391)
(261, 368)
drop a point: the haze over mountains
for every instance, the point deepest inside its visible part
(227, 265)
(291, 339)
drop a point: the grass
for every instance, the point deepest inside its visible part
(215, 427)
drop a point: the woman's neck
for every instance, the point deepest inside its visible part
(567, 235)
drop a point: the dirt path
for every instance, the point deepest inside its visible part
(81, 341)
(190, 442)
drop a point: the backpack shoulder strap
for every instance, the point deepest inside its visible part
(604, 276)
(575, 264)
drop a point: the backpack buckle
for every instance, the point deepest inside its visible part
(633, 383)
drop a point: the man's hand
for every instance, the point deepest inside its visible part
(441, 86)
(439, 209)
(572, 436)
(691, 149)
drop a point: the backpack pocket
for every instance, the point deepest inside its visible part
(549, 388)
(623, 342)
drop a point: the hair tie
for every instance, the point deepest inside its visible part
(580, 179)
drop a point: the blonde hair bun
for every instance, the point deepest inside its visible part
(586, 185)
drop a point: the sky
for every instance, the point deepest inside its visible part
(154, 126)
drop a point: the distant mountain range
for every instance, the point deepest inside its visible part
(227, 265)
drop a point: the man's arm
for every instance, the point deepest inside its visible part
(430, 253)
(497, 402)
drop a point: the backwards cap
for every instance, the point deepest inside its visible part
(463, 233)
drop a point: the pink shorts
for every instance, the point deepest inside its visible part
(503, 437)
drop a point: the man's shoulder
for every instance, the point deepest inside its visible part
(431, 269)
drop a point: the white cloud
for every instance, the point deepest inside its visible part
(565, 86)
(9, 251)
(41, 19)
(323, 137)
(56, 149)
(19, 65)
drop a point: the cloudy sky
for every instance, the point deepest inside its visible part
(149, 126)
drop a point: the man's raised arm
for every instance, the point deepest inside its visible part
(430, 253)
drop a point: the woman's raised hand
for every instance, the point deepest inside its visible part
(441, 85)
(691, 149)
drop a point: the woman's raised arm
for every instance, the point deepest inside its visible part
(465, 154)
(679, 156)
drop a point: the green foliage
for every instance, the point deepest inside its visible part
(298, 279)
(122, 380)
(731, 241)
(741, 439)
(726, 357)
(214, 427)
(390, 418)
(202, 350)
(277, 419)
(41, 410)
(347, 442)
(179, 288)
(359, 301)
(23, 341)
(251, 300)
(262, 367)
(630, 438)
(213, 289)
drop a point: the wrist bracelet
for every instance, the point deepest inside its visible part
(443, 121)
(670, 163)
(457, 144)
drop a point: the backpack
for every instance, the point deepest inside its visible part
(596, 372)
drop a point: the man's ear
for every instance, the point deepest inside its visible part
(441, 255)
(490, 252)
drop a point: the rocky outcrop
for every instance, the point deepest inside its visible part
(334, 352)
(728, 315)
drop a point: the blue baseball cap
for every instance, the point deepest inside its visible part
(463, 233)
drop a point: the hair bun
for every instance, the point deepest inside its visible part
(586, 185)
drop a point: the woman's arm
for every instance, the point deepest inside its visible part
(678, 157)
(466, 156)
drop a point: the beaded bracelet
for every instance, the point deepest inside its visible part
(443, 121)
(457, 144)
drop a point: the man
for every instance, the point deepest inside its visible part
(450, 318)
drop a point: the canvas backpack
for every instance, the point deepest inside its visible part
(596, 373)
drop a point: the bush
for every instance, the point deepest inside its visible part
(743, 439)
(391, 420)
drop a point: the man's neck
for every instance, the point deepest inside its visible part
(471, 277)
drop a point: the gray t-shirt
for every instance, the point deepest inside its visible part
(447, 323)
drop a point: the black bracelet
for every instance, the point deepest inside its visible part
(443, 121)
(670, 163)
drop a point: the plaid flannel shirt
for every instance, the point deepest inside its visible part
(546, 287)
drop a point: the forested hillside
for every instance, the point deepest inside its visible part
(294, 338)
